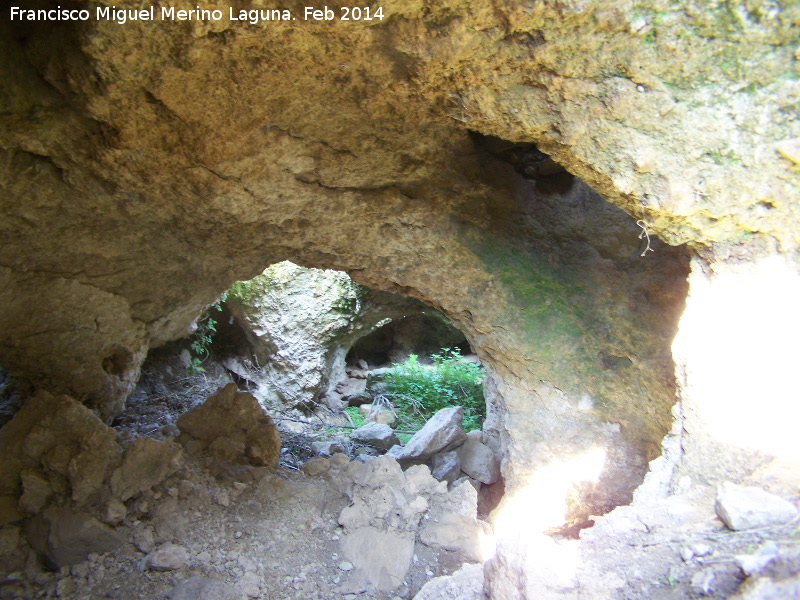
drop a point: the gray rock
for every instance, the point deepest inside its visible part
(479, 462)
(385, 556)
(444, 431)
(748, 507)
(200, 588)
(446, 466)
(377, 435)
(169, 557)
(703, 582)
(464, 584)
(457, 534)
(66, 538)
(327, 448)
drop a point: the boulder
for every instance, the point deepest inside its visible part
(146, 463)
(376, 435)
(385, 556)
(350, 387)
(456, 533)
(294, 319)
(479, 462)
(59, 437)
(232, 421)
(748, 507)
(446, 466)
(65, 537)
(442, 432)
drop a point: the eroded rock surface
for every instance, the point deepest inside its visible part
(232, 426)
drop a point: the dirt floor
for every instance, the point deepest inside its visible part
(244, 532)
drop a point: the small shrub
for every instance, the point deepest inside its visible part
(356, 417)
(203, 337)
(418, 391)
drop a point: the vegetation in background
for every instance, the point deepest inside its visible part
(203, 337)
(418, 391)
(356, 417)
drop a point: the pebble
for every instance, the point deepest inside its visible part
(237, 534)
(346, 566)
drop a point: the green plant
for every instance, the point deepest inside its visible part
(203, 337)
(419, 391)
(356, 418)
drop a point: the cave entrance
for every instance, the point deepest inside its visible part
(325, 357)
(394, 341)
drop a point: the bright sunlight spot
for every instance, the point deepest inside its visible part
(738, 339)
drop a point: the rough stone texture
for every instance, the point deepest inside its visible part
(146, 463)
(385, 556)
(196, 168)
(375, 434)
(391, 509)
(479, 462)
(56, 440)
(464, 584)
(446, 466)
(200, 588)
(169, 557)
(294, 318)
(147, 168)
(327, 448)
(65, 537)
(233, 426)
(316, 466)
(442, 432)
(300, 324)
(748, 507)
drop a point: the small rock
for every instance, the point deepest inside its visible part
(703, 582)
(169, 557)
(748, 507)
(144, 539)
(316, 466)
(250, 584)
(346, 566)
(200, 588)
(686, 554)
(750, 564)
(701, 549)
(327, 448)
(115, 512)
(376, 435)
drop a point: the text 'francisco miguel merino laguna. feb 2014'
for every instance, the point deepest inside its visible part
(253, 17)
